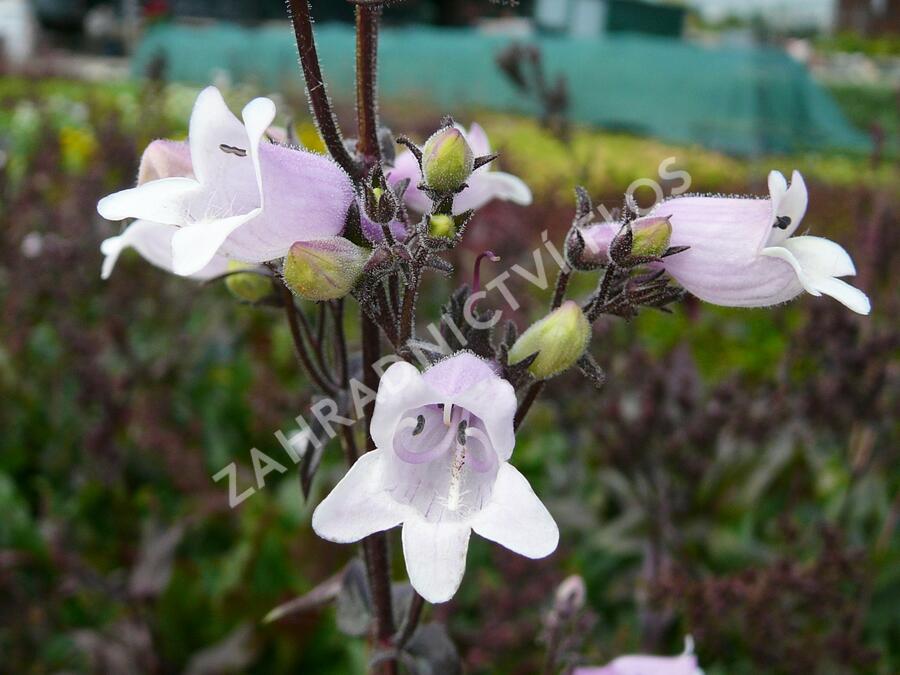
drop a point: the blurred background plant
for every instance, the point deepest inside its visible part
(737, 481)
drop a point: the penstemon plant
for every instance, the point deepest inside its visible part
(286, 227)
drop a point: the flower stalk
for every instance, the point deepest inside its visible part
(315, 86)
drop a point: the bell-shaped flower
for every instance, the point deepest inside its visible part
(743, 253)
(441, 469)
(640, 664)
(484, 184)
(230, 192)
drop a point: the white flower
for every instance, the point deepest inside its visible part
(742, 252)
(229, 193)
(441, 469)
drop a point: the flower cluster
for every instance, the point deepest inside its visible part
(238, 200)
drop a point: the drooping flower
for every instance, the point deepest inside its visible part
(640, 664)
(741, 250)
(441, 469)
(230, 193)
(484, 184)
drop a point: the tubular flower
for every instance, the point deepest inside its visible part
(230, 193)
(742, 252)
(441, 469)
(484, 184)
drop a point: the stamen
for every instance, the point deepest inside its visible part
(454, 492)
(461, 432)
(420, 425)
(448, 413)
(782, 222)
(232, 150)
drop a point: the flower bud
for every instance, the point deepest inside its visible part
(570, 596)
(559, 339)
(597, 239)
(651, 237)
(247, 286)
(441, 226)
(447, 160)
(324, 269)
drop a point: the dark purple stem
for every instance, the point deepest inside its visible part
(315, 86)
(367, 17)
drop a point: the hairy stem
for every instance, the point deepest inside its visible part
(367, 17)
(562, 282)
(290, 310)
(412, 620)
(340, 342)
(375, 545)
(407, 311)
(315, 344)
(315, 86)
(530, 397)
(595, 307)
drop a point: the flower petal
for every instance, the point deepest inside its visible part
(821, 255)
(212, 126)
(685, 664)
(435, 555)
(722, 264)
(457, 373)
(849, 296)
(778, 186)
(471, 382)
(153, 241)
(165, 159)
(406, 166)
(494, 401)
(358, 505)
(401, 389)
(787, 201)
(516, 518)
(485, 186)
(477, 139)
(195, 245)
(816, 257)
(163, 201)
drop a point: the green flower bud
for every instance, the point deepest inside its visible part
(247, 286)
(447, 160)
(442, 226)
(324, 269)
(652, 237)
(559, 339)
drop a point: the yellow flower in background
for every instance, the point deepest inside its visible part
(77, 146)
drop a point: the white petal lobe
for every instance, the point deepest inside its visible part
(516, 518)
(435, 555)
(358, 505)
